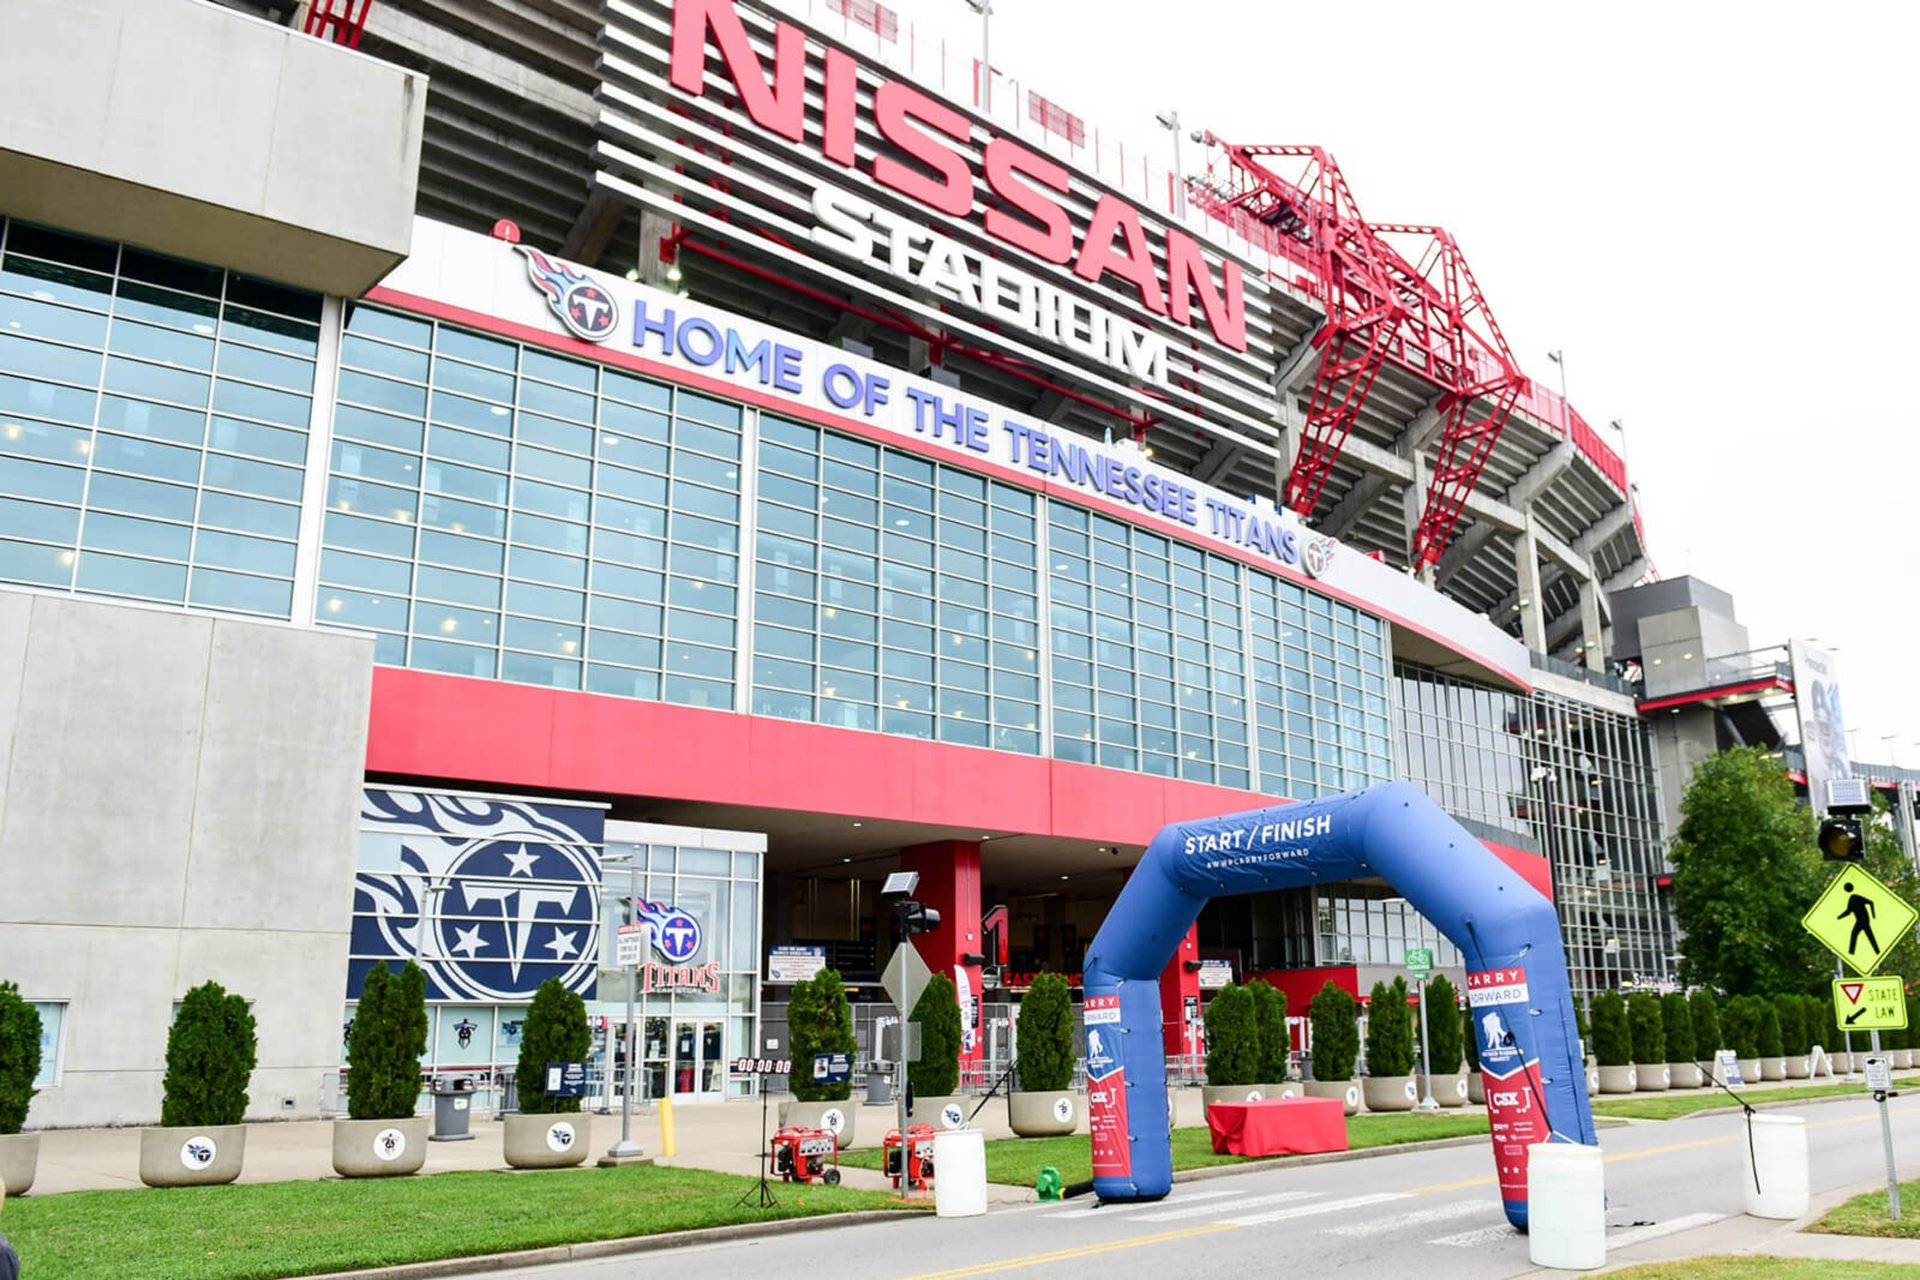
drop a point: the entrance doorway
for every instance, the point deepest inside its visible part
(699, 1066)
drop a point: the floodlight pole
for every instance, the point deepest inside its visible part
(1426, 1055)
(627, 1148)
(900, 1066)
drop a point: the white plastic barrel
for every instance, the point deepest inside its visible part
(1779, 1155)
(1566, 1206)
(960, 1173)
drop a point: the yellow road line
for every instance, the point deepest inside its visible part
(1068, 1255)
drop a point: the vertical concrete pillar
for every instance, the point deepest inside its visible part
(1592, 634)
(1413, 503)
(950, 884)
(1526, 568)
(1179, 984)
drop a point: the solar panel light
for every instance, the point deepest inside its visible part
(1842, 840)
(1849, 795)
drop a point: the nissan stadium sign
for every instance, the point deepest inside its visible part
(814, 160)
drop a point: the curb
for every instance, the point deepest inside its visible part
(479, 1262)
(1761, 1106)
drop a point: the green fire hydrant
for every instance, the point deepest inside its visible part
(1048, 1185)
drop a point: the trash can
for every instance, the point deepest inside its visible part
(452, 1110)
(509, 1093)
(959, 1173)
(879, 1085)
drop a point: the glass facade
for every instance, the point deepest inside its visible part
(687, 1031)
(153, 424)
(1579, 782)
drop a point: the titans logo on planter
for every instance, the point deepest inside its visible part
(492, 897)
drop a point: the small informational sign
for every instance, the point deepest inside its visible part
(832, 1068)
(630, 945)
(1870, 1004)
(1728, 1064)
(1215, 974)
(1879, 1075)
(795, 964)
(566, 1080)
(760, 1066)
(1859, 919)
(1419, 962)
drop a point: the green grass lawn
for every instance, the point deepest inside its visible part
(1658, 1106)
(1866, 1215)
(1760, 1267)
(303, 1228)
(1018, 1161)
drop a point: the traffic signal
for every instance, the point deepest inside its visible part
(1843, 840)
(918, 918)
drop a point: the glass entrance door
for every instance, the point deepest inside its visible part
(699, 1060)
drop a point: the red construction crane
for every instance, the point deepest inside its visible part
(1420, 308)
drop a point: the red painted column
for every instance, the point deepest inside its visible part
(1178, 984)
(950, 884)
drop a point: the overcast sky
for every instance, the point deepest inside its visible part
(1706, 206)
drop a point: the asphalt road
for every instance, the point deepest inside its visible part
(1435, 1214)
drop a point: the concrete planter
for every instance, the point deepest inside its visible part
(1651, 1077)
(1593, 1080)
(835, 1117)
(1389, 1093)
(1347, 1091)
(1773, 1068)
(1450, 1090)
(1212, 1093)
(1798, 1067)
(1750, 1070)
(200, 1156)
(950, 1112)
(1686, 1075)
(1618, 1080)
(19, 1157)
(379, 1148)
(1476, 1089)
(547, 1142)
(1902, 1058)
(1043, 1113)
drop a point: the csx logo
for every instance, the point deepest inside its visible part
(1509, 1099)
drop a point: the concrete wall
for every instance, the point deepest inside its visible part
(179, 798)
(194, 130)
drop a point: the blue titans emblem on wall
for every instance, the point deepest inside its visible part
(492, 897)
(587, 310)
(676, 934)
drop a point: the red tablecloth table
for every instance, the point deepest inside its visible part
(1278, 1126)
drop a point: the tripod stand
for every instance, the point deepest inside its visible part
(760, 1196)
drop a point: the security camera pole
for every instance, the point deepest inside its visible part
(905, 978)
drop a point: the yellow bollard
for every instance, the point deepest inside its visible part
(667, 1149)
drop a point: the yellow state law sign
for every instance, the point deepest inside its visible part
(1870, 1004)
(1859, 919)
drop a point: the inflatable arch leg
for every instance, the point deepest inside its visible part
(1507, 932)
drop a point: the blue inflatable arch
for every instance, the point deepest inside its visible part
(1507, 932)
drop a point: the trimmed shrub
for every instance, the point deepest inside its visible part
(1233, 1038)
(1740, 1027)
(1331, 1017)
(937, 1073)
(1443, 1025)
(555, 1031)
(1389, 1031)
(1708, 1039)
(211, 1052)
(1612, 1041)
(1767, 1019)
(1046, 1035)
(1793, 1025)
(819, 1020)
(389, 1037)
(1819, 1013)
(19, 1057)
(1649, 1035)
(1470, 1039)
(1270, 1027)
(1677, 1020)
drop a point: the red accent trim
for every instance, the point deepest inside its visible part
(1708, 695)
(1177, 983)
(384, 296)
(1531, 867)
(488, 732)
(1301, 985)
(1663, 882)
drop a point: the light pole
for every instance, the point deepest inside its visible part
(985, 9)
(1170, 121)
(627, 1148)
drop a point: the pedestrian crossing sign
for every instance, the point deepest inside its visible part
(1859, 919)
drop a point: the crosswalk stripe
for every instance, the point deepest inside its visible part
(1418, 1218)
(1232, 1206)
(1640, 1235)
(1095, 1209)
(1468, 1239)
(1308, 1210)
